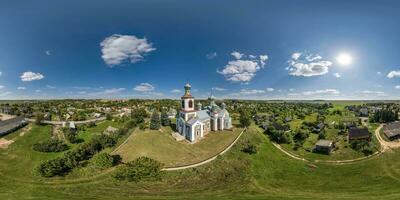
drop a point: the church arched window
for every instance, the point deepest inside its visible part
(190, 103)
(183, 103)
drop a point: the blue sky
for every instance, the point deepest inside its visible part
(239, 49)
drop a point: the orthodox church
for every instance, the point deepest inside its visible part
(194, 123)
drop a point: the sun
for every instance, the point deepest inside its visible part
(344, 59)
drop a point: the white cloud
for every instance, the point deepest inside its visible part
(144, 87)
(218, 89)
(31, 76)
(326, 91)
(243, 70)
(21, 88)
(397, 86)
(117, 49)
(270, 89)
(393, 74)
(48, 52)
(38, 91)
(237, 55)
(296, 55)
(323, 92)
(251, 91)
(50, 87)
(308, 65)
(1, 73)
(378, 73)
(337, 75)
(211, 55)
(372, 92)
(176, 91)
(82, 92)
(112, 91)
(1, 87)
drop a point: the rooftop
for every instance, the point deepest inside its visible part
(324, 143)
(358, 133)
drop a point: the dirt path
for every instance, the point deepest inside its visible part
(57, 132)
(207, 160)
(384, 147)
(4, 143)
(76, 122)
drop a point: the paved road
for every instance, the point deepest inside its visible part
(76, 122)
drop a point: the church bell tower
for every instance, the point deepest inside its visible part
(187, 100)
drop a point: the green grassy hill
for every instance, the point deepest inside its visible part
(269, 174)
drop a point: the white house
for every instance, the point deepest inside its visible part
(194, 123)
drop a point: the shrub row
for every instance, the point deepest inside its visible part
(75, 158)
(141, 169)
(51, 145)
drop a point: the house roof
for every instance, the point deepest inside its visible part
(203, 114)
(392, 129)
(10, 124)
(358, 133)
(192, 121)
(324, 143)
(279, 126)
(111, 129)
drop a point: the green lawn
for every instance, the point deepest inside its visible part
(160, 145)
(269, 174)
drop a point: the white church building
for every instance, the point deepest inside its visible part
(194, 123)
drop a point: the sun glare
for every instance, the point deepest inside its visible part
(344, 59)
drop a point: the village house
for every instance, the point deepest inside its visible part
(324, 146)
(359, 134)
(392, 130)
(195, 122)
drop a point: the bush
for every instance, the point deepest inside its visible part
(102, 161)
(278, 136)
(51, 145)
(139, 115)
(249, 148)
(362, 146)
(50, 168)
(70, 135)
(141, 169)
(71, 159)
(91, 124)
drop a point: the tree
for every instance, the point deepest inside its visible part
(155, 122)
(102, 161)
(245, 118)
(143, 168)
(39, 117)
(165, 120)
(139, 115)
(300, 136)
(278, 136)
(51, 145)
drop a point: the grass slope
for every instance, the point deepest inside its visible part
(269, 174)
(160, 145)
